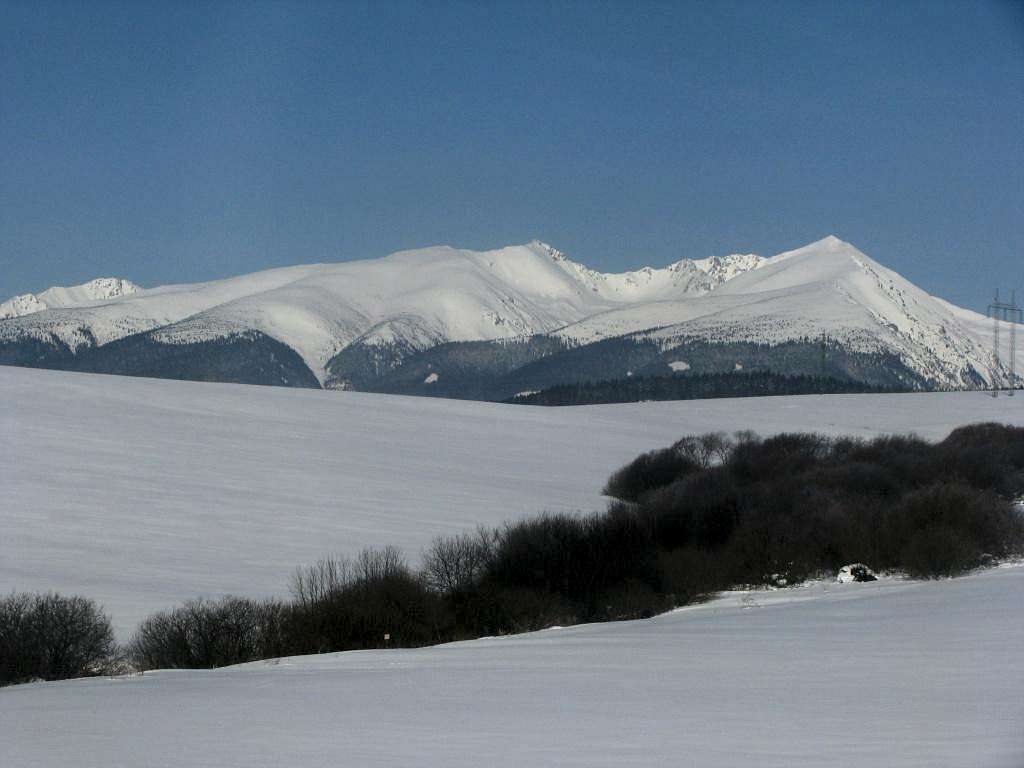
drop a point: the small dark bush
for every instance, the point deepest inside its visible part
(908, 459)
(705, 450)
(372, 601)
(651, 470)
(985, 456)
(211, 633)
(938, 551)
(632, 599)
(689, 574)
(52, 637)
(620, 549)
(946, 528)
(846, 477)
(544, 553)
(527, 610)
(454, 565)
(783, 455)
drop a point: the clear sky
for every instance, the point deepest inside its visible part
(183, 141)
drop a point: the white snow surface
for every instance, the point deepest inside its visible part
(141, 493)
(422, 297)
(827, 289)
(77, 295)
(425, 297)
(891, 673)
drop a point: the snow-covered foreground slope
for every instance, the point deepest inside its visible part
(141, 493)
(888, 674)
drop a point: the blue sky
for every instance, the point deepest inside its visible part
(187, 141)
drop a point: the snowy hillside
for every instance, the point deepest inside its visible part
(890, 674)
(355, 322)
(142, 492)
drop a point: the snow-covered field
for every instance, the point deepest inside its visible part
(141, 493)
(886, 674)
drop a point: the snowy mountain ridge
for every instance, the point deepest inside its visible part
(76, 295)
(419, 297)
(690, 277)
(826, 290)
(412, 301)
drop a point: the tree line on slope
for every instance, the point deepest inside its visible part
(698, 386)
(707, 513)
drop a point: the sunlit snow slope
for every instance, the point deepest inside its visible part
(826, 290)
(420, 298)
(101, 288)
(413, 301)
(887, 674)
(141, 493)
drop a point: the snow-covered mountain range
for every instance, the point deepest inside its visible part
(383, 313)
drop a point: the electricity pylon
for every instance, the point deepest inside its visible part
(1004, 312)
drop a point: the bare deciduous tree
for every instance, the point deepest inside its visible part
(52, 637)
(454, 564)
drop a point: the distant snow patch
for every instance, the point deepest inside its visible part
(679, 365)
(431, 378)
(738, 367)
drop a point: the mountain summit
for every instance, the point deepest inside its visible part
(487, 324)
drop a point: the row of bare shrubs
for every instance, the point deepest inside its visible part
(708, 513)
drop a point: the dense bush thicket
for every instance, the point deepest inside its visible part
(707, 513)
(373, 600)
(52, 637)
(212, 633)
(793, 505)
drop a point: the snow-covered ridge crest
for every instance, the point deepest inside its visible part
(58, 297)
(686, 277)
(414, 300)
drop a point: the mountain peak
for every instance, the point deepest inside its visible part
(830, 244)
(548, 250)
(409, 302)
(59, 296)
